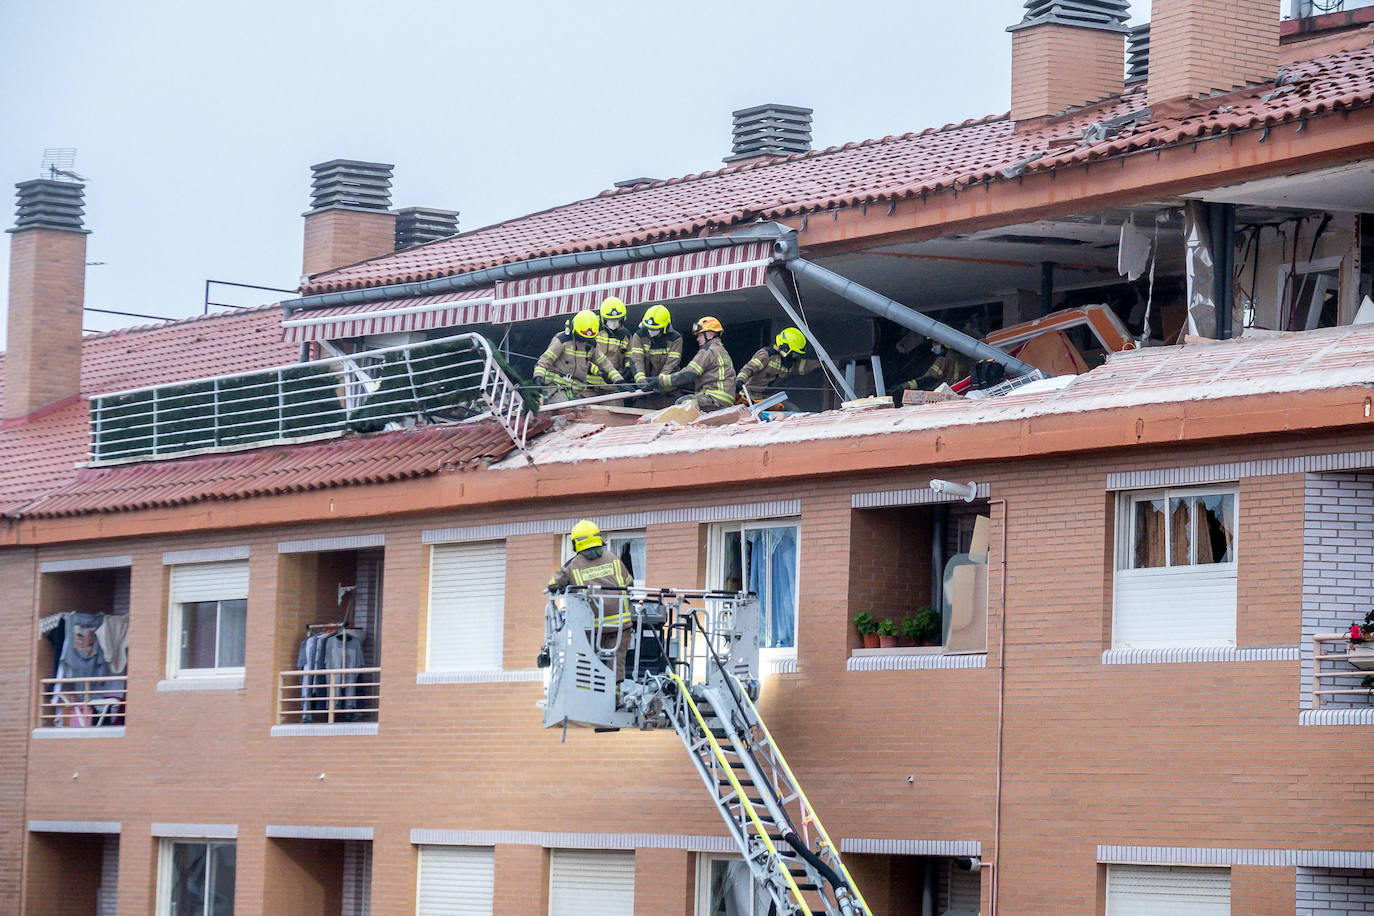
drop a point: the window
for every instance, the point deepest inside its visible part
(456, 880)
(467, 606)
(761, 557)
(726, 888)
(209, 616)
(1142, 890)
(196, 879)
(1176, 569)
(591, 883)
(629, 546)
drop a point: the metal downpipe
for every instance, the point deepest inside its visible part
(897, 313)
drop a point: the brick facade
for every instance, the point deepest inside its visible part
(337, 237)
(1056, 67)
(46, 293)
(1202, 46)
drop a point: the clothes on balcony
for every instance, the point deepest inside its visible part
(81, 657)
(113, 638)
(330, 650)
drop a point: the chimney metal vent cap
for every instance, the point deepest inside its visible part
(1111, 15)
(45, 203)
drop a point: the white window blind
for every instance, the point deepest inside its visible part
(456, 881)
(585, 883)
(965, 892)
(467, 601)
(1149, 890)
(209, 581)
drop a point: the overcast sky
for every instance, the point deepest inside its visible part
(195, 129)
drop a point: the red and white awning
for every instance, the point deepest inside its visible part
(720, 270)
(447, 310)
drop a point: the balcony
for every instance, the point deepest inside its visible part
(329, 697)
(452, 378)
(80, 702)
(1342, 672)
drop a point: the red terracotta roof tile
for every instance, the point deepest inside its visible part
(349, 461)
(857, 173)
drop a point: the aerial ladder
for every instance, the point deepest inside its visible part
(692, 665)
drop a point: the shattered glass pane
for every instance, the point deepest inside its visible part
(1215, 528)
(1180, 531)
(1149, 534)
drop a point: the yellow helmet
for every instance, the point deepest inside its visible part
(585, 534)
(586, 324)
(612, 307)
(656, 318)
(707, 323)
(791, 341)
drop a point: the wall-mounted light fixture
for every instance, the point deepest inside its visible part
(968, 492)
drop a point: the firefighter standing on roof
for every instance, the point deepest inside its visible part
(614, 343)
(593, 565)
(654, 349)
(563, 372)
(711, 370)
(771, 365)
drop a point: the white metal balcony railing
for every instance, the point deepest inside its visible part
(457, 377)
(82, 702)
(329, 696)
(1346, 670)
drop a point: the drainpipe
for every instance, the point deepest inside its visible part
(786, 250)
(1221, 221)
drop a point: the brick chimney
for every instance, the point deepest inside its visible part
(349, 219)
(46, 296)
(1066, 53)
(1198, 47)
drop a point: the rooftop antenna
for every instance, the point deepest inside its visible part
(58, 162)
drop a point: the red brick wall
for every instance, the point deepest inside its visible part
(66, 870)
(47, 290)
(1203, 46)
(889, 563)
(335, 238)
(1056, 67)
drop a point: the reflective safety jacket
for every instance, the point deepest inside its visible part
(712, 371)
(769, 367)
(651, 356)
(597, 566)
(567, 364)
(615, 346)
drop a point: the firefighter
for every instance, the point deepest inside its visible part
(711, 371)
(562, 373)
(946, 368)
(771, 365)
(593, 565)
(654, 349)
(614, 342)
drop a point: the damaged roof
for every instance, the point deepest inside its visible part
(893, 168)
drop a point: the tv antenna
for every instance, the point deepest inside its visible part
(58, 163)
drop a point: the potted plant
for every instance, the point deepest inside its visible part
(887, 634)
(910, 631)
(925, 626)
(1360, 651)
(868, 629)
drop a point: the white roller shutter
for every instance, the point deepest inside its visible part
(1176, 890)
(467, 603)
(591, 883)
(965, 892)
(456, 881)
(1189, 606)
(209, 581)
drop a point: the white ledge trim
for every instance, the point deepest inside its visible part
(59, 566)
(1239, 470)
(295, 832)
(74, 826)
(691, 843)
(346, 542)
(917, 496)
(1343, 715)
(915, 661)
(1198, 855)
(778, 508)
(479, 677)
(323, 729)
(1200, 654)
(206, 555)
(234, 682)
(197, 831)
(102, 731)
(891, 847)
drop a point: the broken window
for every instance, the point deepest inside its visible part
(1183, 530)
(761, 558)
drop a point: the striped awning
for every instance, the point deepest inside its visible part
(447, 310)
(719, 270)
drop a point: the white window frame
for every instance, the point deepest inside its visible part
(703, 883)
(1125, 579)
(628, 534)
(175, 635)
(498, 647)
(164, 867)
(715, 574)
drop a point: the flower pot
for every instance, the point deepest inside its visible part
(871, 640)
(887, 642)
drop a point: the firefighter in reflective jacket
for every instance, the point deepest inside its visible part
(563, 371)
(711, 371)
(613, 341)
(771, 365)
(593, 565)
(654, 349)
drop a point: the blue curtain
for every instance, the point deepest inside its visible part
(771, 554)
